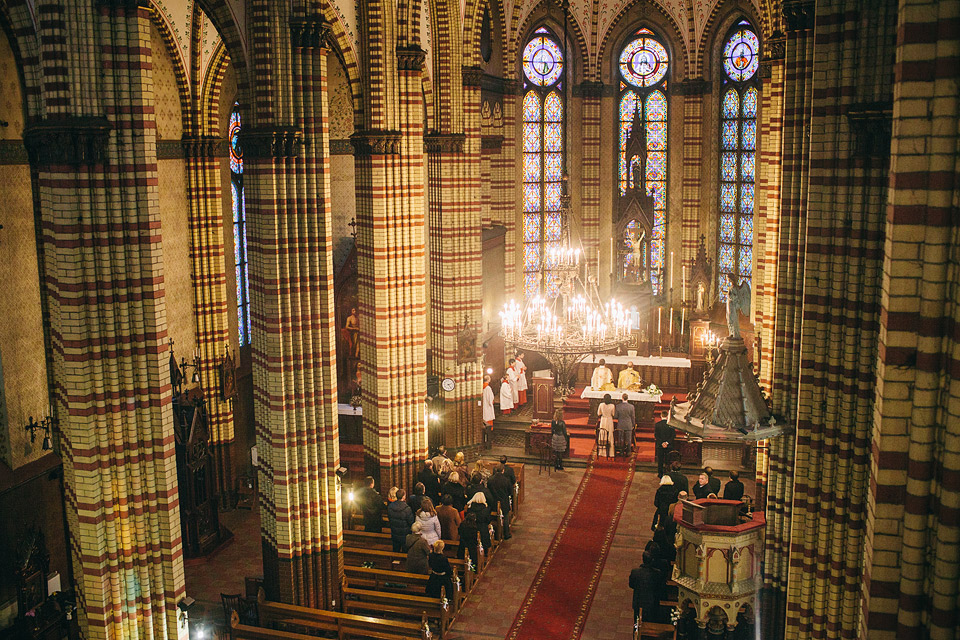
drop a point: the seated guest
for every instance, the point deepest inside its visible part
(400, 517)
(702, 489)
(478, 506)
(417, 551)
(713, 482)
(648, 586)
(429, 522)
(372, 506)
(449, 517)
(469, 537)
(455, 490)
(733, 490)
(430, 480)
(413, 500)
(441, 574)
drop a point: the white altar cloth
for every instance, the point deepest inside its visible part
(639, 361)
(617, 394)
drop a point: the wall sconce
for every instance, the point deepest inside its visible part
(44, 425)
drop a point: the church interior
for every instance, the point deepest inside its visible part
(553, 269)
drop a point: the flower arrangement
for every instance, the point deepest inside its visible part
(654, 390)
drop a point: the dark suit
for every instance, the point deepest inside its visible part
(372, 506)
(733, 490)
(662, 432)
(500, 487)
(714, 484)
(680, 481)
(431, 484)
(647, 584)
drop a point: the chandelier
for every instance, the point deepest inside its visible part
(569, 326)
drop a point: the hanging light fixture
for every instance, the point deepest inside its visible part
(569, 322)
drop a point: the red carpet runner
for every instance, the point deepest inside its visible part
(557, 603)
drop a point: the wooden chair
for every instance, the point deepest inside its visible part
(544, 458)
(603, 441)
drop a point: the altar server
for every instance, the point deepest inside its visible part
(522, 378)
(514, 378)
(506, 395)
(487, 412)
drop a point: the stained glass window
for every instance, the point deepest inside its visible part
(542, 158)
(644, 63)
(239, 228)
(738, 144)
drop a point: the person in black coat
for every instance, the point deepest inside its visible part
(508, 471)
(679, 479)
(702, 487)
(477, 484)
(414, 499)
(469, 537)
(666, 437)
(666, 543)
(648, 586)
(666, 495)
(441, 574)
(400, 517)
(431, 481)
(371, 504)
(502, 489)
(478, 506)
(455, 490)
(713, 483)
(733, 490)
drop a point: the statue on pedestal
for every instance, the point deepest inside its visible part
(738, 299)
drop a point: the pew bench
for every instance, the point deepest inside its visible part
(347, 626)
(397, 562)
(397, 581)
(373, 540)
(653, 630)
(399, 604)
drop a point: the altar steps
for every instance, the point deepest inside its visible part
(582, 425)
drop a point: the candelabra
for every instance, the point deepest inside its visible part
(710, 343)
(45, 425)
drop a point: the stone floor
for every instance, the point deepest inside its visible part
(491, 608)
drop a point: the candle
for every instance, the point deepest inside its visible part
(659, 317)
(683, 316)
(683, 285)
(611, 255)
(671, 269)
(671, 320)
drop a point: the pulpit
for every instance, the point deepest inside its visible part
(543, 394)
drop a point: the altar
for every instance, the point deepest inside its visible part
(667, 372)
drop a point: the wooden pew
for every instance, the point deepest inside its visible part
(652, 630)
(398, 562)
(398, 604)
(347, 626)
(398, 581)
(372, 540)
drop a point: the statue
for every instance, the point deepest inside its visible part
(738, 299)
(700, 293)
(637, 249)
(351, 334)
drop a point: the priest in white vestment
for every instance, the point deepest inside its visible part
(602, 377)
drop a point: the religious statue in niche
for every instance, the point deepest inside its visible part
(700, 297)
(738, 299)
(351, 333)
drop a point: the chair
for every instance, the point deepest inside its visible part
(603, 441)
(246, 608)
(231, 603)
(545, 458)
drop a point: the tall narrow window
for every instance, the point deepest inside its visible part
(738, 145)
(239, 228)
(542, 160)
(643, 85)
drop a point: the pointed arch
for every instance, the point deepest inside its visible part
(660, 22)
(16, 20)
(724, 14)
(173, 51)
(546, 14)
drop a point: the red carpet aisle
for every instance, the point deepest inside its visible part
(559, 599)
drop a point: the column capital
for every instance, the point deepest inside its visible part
(411, 58)
(310, 32)
(491, 142)
(72, 140)
(693, 87)
(444, 142)
(376, 142)
(203, 146)
(279, 142)
(511, 86)
(798, 15)
(472, 76)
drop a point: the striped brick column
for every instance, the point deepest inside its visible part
(509, 192)
(785, 342)
(591, 94)
(456, 268)
(843, 254)
(293, 353)
(391, 265)
(96, 185)
(205, 198)
(693, 91)
(912, 575)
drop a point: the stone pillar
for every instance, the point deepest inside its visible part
(287, 182)
(456, 267)
(510, 195)
(591, 94)
(912, 565)
(96, 190)
(693, 91)
(391, 276)
(208, 270)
